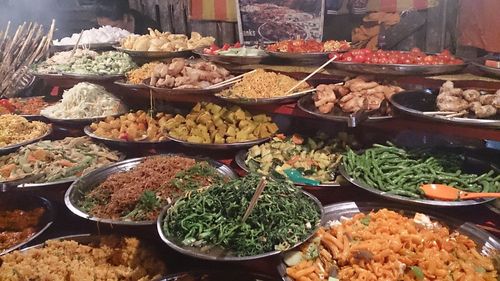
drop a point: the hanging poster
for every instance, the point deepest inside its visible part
(266, 21)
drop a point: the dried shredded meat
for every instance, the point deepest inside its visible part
(120, 194)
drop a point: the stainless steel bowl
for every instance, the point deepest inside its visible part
(14, 147)
(485, 243)
(175, 244)
(397, 69)
(12, 201)
(84, 184)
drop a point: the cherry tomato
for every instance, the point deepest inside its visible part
(6, 104)
(359, 58)
(347, 58)
(237, 45)
(226, 46)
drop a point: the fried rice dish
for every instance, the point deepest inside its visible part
(15, 129)
(112, 258)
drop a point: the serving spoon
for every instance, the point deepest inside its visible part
(449, 193)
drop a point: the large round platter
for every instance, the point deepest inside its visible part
(219, 146)
(91, 46)
(470, 162)
(479, 63)
(154, 55)
(416, 102)
(485, 243)
(26, 184)
(22, 201)
(240, 161)
(77, 76)
(240, 60)
(219, 255)
(81, 121)
(193, 91)
(397, 69)
(217, 275)
(93, 77)
(306, 104)
(276, 100)
(13, 147)
(91, 180)
(300, 56)
(124, 84)
(88, 131)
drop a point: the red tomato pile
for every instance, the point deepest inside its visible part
(415, 56)
(214, 48)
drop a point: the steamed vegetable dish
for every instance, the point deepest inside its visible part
(212, 219)
(87, 62)
(108, 258)
(16, 226)
(139, 193)
(49, 161)
(133, 126)
(211, 123)
(401, 172)
(316, 158)
(85, 100)
(15, 129)
(385, 245)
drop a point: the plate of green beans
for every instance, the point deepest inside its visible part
(397, 173)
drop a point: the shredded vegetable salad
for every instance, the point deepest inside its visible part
(85, 100)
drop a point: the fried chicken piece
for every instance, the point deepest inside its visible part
(176, 66)
(352, 103)
(451, 103)
(483, 111)
(324, 98)
(496, 101)
(471, 95)
(360, 86)
(487, 99)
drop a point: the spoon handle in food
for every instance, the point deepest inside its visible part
(475, 195)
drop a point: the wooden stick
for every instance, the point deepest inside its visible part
(256, 195)
(77, 43)
(438, 112)
(311, 75)
(230, 80)
(224, 83)
(304, 92)
(461, 113)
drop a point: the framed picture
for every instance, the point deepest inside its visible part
(262, 22)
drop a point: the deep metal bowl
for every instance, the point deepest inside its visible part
(479, 63)
(175, 244)
(220, 146)
(397, 69)
(486, 244)
(88, 131)
(256, 101)
(217, 275)
(86, 183)
(415, 102)
(10, 148)
(154, 55)
(239, 60)
(468, 163)
(306, 104)
(12, 201)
